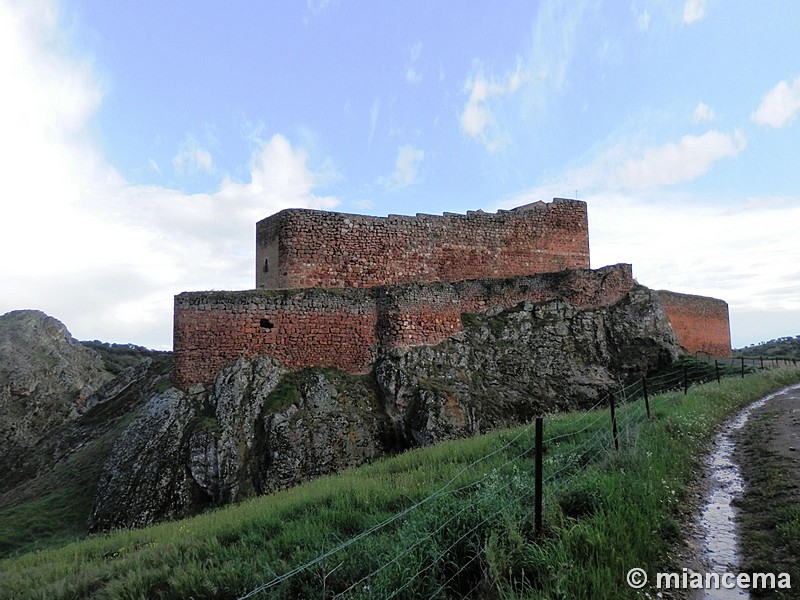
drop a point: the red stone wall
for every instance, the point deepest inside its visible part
(347, 328)
(300, 328)
(307, 248)
(701, 324)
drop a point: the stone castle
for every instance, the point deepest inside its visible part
(335, 290)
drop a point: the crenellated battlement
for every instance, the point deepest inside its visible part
(299, 248)
(335, 289)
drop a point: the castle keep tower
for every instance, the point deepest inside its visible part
(298, 248)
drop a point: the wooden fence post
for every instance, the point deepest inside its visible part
(613, 422)
(685, 380)
(743, 367)
(716, 368)
(537, 489)
(646, 397)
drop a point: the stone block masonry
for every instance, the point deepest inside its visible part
(298, 248)
(299, 328)
(335, 289)
(347, 328)
(702, 324)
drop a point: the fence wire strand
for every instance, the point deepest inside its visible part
(630, 417)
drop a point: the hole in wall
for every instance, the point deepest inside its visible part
(266, 324)
(266, 265)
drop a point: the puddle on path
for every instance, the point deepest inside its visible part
(717, 519)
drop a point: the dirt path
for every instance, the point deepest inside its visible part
(765, 455)
(768, 450)
(777, 427)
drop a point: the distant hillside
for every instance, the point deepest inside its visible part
(118, 357)
(784, 347)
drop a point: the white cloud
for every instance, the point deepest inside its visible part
(191, 158)
(693, 11)
(643, 21)
(779, 106)
(374, 111)
(741, 250)
(101, 254)
(416, 51)
(628, 165)
(703, 113)
(727, 250)
(406, 168)
(678, 162)
(317, 7)
(477, 118)
(364, 204)
(412, 75)
(539, 72)
(44, 108)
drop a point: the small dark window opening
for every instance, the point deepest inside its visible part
(266, 265)
(266, 324)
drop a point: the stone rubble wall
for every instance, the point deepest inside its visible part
(299, 248)
(702, 324)
(347, 328)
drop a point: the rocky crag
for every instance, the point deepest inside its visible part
(46, 378)
(141, 450)
(62, 408)
(260, 427)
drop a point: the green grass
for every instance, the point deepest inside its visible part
(118, 357)
(472, 534)
(52, 509)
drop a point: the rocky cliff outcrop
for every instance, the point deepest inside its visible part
(260, 427)
(46, 377)
(510, 365)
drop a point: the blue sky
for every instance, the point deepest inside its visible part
(142, 140)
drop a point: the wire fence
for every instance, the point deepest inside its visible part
(752, 362)
(485, 499)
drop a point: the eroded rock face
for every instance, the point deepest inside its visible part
(46, 377)
(337, 422)
(508, 366)
(145, 479)
(260, 427)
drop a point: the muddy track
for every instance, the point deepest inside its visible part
(750, 483)
(768, 450)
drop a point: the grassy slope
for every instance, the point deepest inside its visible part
(52, 509)
(605, 512)
(118, 357)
